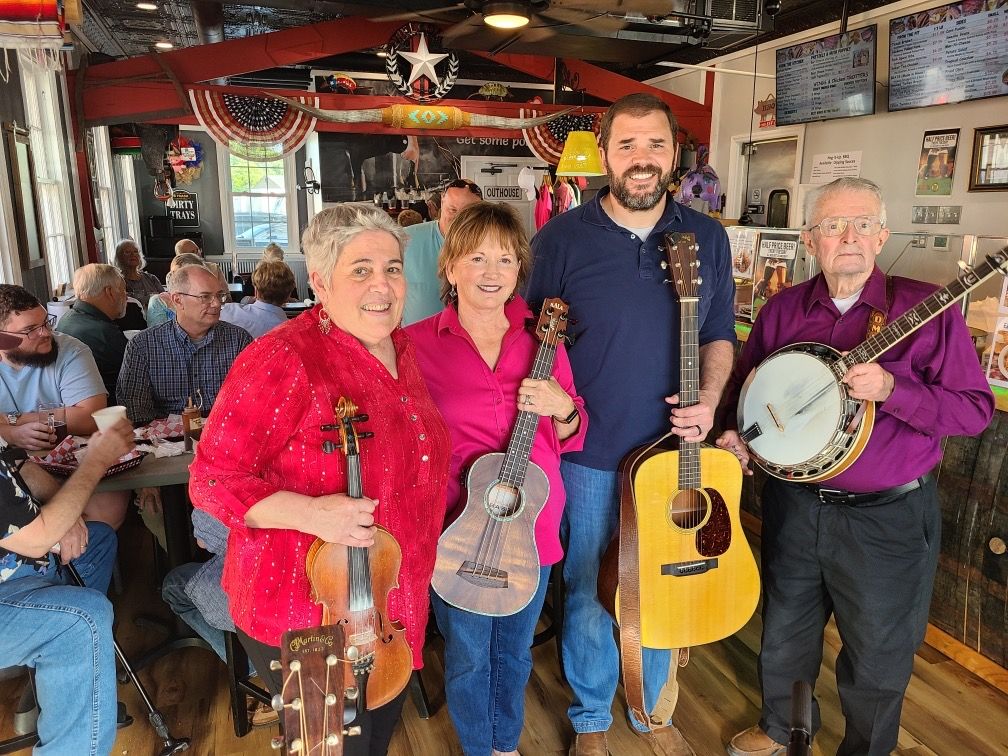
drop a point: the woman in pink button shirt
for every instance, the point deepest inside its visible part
(475, 356)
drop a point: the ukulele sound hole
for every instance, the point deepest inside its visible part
(688, 509)
(503, 502)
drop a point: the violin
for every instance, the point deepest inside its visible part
(352, 585)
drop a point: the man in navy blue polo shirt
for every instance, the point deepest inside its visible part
(604, 259)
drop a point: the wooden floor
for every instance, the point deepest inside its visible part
(948, 710)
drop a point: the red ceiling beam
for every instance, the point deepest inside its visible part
(599, 82)
(239, 56)
(694, 117)
(145, 100)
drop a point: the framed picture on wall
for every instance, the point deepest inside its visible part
(989, 170)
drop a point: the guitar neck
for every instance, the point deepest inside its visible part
(523, 434)
(689, 387)
(913, 319)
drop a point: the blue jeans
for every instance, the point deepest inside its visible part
(590, 652)
(64, 633)
(488, 661)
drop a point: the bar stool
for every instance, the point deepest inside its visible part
(552, 615)
(241, 690)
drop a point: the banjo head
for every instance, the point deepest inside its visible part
(797, 402)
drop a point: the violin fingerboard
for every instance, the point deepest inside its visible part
(312, 692)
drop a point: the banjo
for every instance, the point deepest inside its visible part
(794, 410)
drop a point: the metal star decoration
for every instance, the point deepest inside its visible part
(423, 62)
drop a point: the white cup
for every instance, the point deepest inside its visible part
(109, 416)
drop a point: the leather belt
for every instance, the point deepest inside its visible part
(867, 499)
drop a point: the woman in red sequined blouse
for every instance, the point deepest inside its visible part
(262, 468)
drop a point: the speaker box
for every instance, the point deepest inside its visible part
(160, 227)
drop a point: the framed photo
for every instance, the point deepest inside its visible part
(989, 170)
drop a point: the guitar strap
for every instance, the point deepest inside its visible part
(629, 612)
(877, 319)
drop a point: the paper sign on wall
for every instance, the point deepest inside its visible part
(829, 166)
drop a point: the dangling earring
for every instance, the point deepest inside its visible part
(324, 323)
(453, 292)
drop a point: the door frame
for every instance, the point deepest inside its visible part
(737, 164)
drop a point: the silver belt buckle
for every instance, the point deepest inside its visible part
(824, 492)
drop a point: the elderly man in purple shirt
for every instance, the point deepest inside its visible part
(866, 555)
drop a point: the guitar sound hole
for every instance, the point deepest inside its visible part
(503, 502)
(688, 508)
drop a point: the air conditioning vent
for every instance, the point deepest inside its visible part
(734, 14)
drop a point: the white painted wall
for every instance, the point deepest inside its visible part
(890, 142)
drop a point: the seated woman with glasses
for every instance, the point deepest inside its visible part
(476, 356)
(267, 464)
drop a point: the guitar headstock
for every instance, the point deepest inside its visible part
(683, 265)
(552, 325)
(311, 700)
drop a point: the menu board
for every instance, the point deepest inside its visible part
(952, 53)
(831, 77)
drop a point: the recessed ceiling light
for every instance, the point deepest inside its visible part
(146, 6)
(505, 15)
(163, 45)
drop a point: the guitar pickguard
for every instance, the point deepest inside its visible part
(715, 537)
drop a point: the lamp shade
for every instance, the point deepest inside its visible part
(580, 156)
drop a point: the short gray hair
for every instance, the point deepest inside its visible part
(839, 186)
(92, 279)
(178, 281)
(335, 227)
(120, 249)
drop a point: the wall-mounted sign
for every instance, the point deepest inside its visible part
(833, 165)
(937, 163)
(505, 193)
(183, 209)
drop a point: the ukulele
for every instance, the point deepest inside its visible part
(487, 561)
(679, 514)
(352, 584)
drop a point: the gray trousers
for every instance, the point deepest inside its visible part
(870, 567)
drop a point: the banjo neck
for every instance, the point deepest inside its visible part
(871, 349)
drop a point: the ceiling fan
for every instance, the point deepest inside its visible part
(534, 20)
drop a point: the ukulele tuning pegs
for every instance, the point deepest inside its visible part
(331, 660)
(664, 265)
(275, 665)
(277, 743)
(355, 730)
(365, 434)
(296, 704)
(359, 419)
(350, 694)
(332, 740)
(352, 652)
(328, 427)
(295, 666)
(277, 702)
(330, 699)
(329, 447)
(297, 746)
(699, 280)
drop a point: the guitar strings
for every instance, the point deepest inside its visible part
(493, 541)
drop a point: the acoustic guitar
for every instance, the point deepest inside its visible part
(487, 560)
(311, 699)
(795, 412)
(352, 584)
(697, 579)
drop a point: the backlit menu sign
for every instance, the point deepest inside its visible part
(952, 53)
(831, 77)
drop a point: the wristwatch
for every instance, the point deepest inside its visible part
(571, 417)
(12, 417)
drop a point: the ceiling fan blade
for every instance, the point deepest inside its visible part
(471, 24)
(422, 14)
(546, 24)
